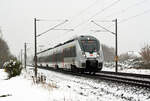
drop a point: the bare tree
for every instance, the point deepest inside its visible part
(4, 52)
(145, 53)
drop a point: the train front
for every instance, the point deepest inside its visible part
(91, 54)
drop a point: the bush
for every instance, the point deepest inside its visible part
(145, 53)
(13, 68)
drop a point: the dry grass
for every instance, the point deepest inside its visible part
(49, 86)
(41, 79)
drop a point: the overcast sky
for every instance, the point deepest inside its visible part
(17, 22)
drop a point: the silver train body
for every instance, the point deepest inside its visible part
(82, 54)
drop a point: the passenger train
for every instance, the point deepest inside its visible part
(80, 54)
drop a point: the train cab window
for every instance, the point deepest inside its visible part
(89, 45)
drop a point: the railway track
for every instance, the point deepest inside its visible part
(128, 78)
(133, 79)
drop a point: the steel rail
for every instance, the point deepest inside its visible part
(127, 74)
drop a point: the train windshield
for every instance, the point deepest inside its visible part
(89, 45)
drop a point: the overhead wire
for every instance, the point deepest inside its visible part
(72, 17)
(128, 18)
(134, 16)
(97, 13)
(131, 17)
(51, 28)
(85, 9)
(109, 6)
(127, 8)
(81, 12)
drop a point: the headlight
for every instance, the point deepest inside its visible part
(98, 54)
(83, 53)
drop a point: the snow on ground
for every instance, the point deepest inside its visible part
(20, 89)
(125, 67)
(64, 87)
(95, 90)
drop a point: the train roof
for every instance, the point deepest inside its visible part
(71, 40)
(86, 38)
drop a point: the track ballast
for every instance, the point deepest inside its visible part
(128, 78)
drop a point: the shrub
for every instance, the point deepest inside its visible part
(13, 68)
(145, 54)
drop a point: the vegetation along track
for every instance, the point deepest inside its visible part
(128, 78)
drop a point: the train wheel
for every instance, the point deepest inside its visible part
(93, 73)
(47, 66)
(81, 71)
(56, 67)
(74, 69)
